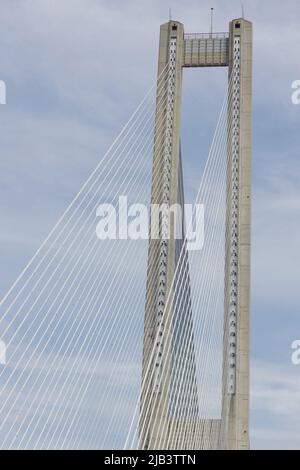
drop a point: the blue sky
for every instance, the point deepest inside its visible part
(75, 70)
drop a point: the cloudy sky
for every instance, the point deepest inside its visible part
(76, 69)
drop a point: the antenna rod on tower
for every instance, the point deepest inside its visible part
(170, 14)
(211, 20)
(243, 12)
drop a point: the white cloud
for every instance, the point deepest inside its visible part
(275, 405)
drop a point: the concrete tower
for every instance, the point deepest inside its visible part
(238, 231)
(176, 51)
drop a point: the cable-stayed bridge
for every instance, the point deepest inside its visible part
(130, 328)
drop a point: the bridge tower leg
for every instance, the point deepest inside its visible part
(154, 407)
(238, 231)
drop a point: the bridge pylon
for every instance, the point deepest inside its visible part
(159, 427)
